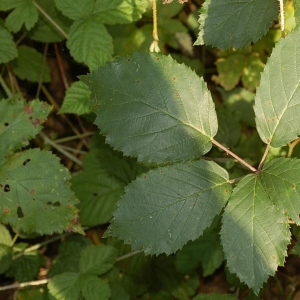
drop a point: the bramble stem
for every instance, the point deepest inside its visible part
(264, 157)
(154, 46)
(281, 9)
(233, 155)
(50, 20)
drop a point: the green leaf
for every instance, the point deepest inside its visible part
(90, 43)
(255, 234)
(5, 237)
(97, 260)
(101, 184)
(235, 23)
(44, 31)
(24, 13)
(94, 288)
(119, 11)
(77, 99)
(5, 249)
(280, 178)
(65, 286)
(165, 208)
(35, 195)
(32, 294)
(8, 50)
(297, 11)
(30, 65)
(215, 297)
(77, 9)
(26, 267)
(277, 102)
(153, 108)
(20, 121)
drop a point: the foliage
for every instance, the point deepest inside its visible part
(143, 168)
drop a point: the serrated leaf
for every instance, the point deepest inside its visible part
(215, 297)
(90, 43)
(119, 11)
(255, 234)
(235, 23)
(8, 49)
(77, 99)
(94, 288)
(165, 208)
(20, 121)
(277, 102)
(77, 9)
(26, 267)
(24, 13)
(44, 31)
(35, 195)
(5, 237)
(153, 108)
(30, 65)
(97, 260)
(280, 178)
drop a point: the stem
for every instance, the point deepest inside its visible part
(233, 155)
(5, 87)
(128, 255)
(154, 46)
(50, 20)
(292, 145)
(61, 68)
(14, 239)
(264, 157)
(281, 9)
(24, 284)
(74, 137)
(37, 95)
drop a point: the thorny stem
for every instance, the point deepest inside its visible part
(281, 9)
(154, 46)
(50, 20)
(264, 157)
(233, 155)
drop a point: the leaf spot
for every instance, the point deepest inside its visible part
(75, 221)
(226, 191)
(138, 81)
(177, 94)
(6, 124)
(20, 212)
(157, 58)
(26, 161)
(28, 110)
(173, 78)
(95, 194)
(35, 122)
(32, 191)
(7, 188)
(145, 177)
(273, 257)
(56, 203)
(293, 186)
(6, 210)
(128, 59)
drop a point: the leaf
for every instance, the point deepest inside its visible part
(280, 178)
(90, 43)
(235, 23)
(35, 195)
(165, 208)
(296, 5)
(215, 297)
(94, 288)
(277, 103)
(30, 65)
(26, 267)
(77, 9)
(255, 234)
(20, 121)
(44, 31)
(5, 237)
(101, 184)
(153, 108)
(119, 11)
(8, 50)
(5, 249)
(97, 260)
(24, 13)
(77, 99)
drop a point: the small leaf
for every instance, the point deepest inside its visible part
(6, 254)
(20, 121)
(165, 208)
(5, 237)
(101, 183)
(75, 9)
(151, 107)
(90, 43)
(30, 65)
(119, 11)
(8, 50)
(94, 288)
(277, 102)
(235, 23)
(281, 179)
(97, 260)
(255, 234)
(24, 13)
(35, 195)
(77, 99)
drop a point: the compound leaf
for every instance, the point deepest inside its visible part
(8, 50)
(35, 195)
(75, 9)
(165, 208)
(277, 101)
(30, 64)
(151, 107)
(20, 121)
(90, 43)
(235, 23)
(77, 99)
(255, 234)
(119, 11)
(281, 180)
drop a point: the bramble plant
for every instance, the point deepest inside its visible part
(146, 172)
